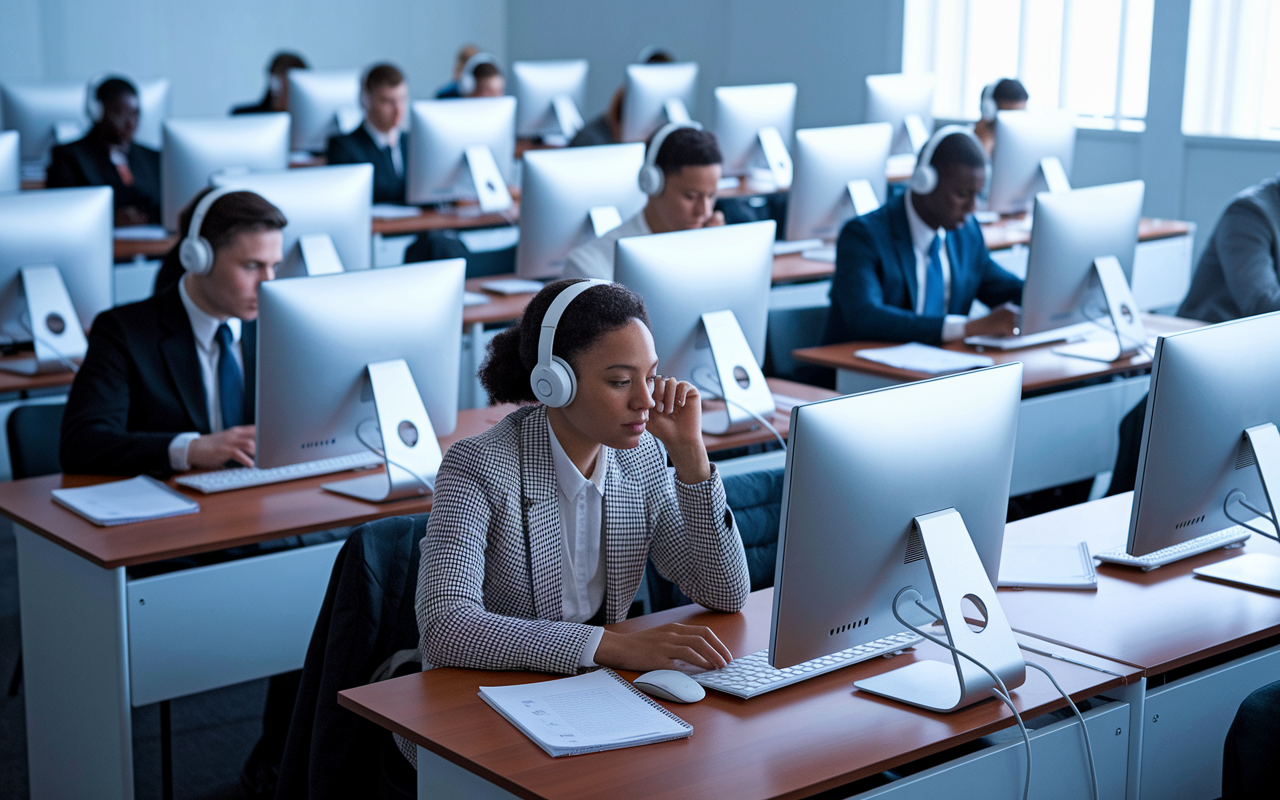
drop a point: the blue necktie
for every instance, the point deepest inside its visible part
(934, 300)
(230, 381)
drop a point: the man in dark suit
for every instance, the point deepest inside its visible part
(276, 97)
(108, 156)
(379, 141)
(909, 271)
(168, 383)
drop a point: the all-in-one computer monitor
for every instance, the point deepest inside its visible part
(153, 99)
(10, 162)
(549, 98)
(655, 95)
(571, 196)
(1034, 151)
(327, 202)
(322, 103)
(905, 102)
(753, 126)
(462, 149)
(834, 169)
(194, 149)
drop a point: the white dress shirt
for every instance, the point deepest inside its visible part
(391, 140)
(922, 241)
(595, 258)
(582, 567)
(205, 330)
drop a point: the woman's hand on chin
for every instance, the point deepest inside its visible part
(676, 421)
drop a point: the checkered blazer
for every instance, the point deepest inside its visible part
(489, 589)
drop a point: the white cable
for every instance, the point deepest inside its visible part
(714, 396)
(1142, 346)
(25, 321)
(382, 453)
(1084, 729)
(1269, 517)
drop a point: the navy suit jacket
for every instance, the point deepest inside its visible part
(873, 294)
(358, 147)
(87, 162)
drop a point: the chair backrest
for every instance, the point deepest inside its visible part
(34, 432)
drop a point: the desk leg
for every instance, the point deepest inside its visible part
(74, 645)
(1135, 695)
(477, 358)
(441, 779)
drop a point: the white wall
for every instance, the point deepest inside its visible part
(215, 53)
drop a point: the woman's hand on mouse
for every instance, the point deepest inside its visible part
(676, 421)
(662, 647)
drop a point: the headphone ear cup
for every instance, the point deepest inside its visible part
(554, 385)
(651, 180)
(989, 108)
(924, 180)
(466, 83)
(196, 255)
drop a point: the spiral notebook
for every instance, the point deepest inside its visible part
(587, 713)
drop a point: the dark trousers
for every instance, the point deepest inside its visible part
(1249, 758)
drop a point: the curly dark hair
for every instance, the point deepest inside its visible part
(513, 354)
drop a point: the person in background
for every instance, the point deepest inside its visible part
(480, 77)
(465, 54)
(689, 162)
(607, 128)
(108, 156)
(380, 141)
(1006, 94)
(277, 96)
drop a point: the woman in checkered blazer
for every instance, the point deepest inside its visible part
(541, 526)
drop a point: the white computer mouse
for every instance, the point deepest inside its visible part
(667, 684)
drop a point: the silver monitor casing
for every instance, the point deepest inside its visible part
(1207, 386)
(33, 110)
(559, 187)
(337, 201)
(648, 87)
(68, 228)
(10, 161)
(859, 470)
(685, 274)
(890, 98)
(317, 335)
(826, 160)
(315, 99)
(153, 98)
(439, 135)
(741, 111)
(1071, 230)
(1023, 138)
(194, 149)
(538, 83)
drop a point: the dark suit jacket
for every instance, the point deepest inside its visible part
(87, 162)
(874, 290)
(139, 386)
(358, 147)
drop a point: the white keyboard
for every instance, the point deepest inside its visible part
(1177, 552)
(751, 675)
(228, 479)
(1077, 331)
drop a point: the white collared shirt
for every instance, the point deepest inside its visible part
(205, 330)
(391, 140)
(921, 242)
(594, 259)
(582, 565)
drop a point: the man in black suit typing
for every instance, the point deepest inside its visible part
(168, 383)
(379, 141)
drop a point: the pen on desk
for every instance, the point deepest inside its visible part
(1068, 660)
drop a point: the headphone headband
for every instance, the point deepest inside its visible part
(987, 104)
(651, 178)
(195, 253)
(551, 319)
(467, 80)
(93, 108)
(925, 177)
(552, 380)
(650, 51)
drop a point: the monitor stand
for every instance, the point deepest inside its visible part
(863, 197)
(491, 187)
(1255, 570)
(917, 132)
(738, 374)
(568, 119)
(957, 575)
(410, 448)
(1055, 176)
(58, 339)
(676, 112)
(1131, 335)
(604, 219)
(777, 160)
(314, 254)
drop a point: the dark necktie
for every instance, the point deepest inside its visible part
(934, 299)
(230, 381)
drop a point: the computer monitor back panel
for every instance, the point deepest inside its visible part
(194, 149)
(741, 111)
(1071, 230)
(648, 87)
(153, 97)
(10, 161)
(333, 200)
(1023, 138)
(68, 228)
(34, 109)
(559, 188)
(890, 98)
(859, 470)
(440, 133)
(685, 274)
(537, 83)
(317, 335)
(315, 98)
(1207, 386)
(826, 159)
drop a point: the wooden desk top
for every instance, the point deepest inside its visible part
(12, 382)
(1041, 367)
(1157, 620)
(500, 308)
(463, 215)
(794, 742)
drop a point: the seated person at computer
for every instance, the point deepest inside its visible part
(910, 270)
(464, 55)
(685, 171)
(108, 156)
(607, 128)
(276, 97)
(1238, 275)
(168, 383)
(480, 77)
(540, 527)
(1006, 94)
(380, 140)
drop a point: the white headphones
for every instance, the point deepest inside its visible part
(925, 178)
(467, 80)
(651, 179)
(988, 104)
(195, 253)
(92, 107)
(651, 51)
(552, 380)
